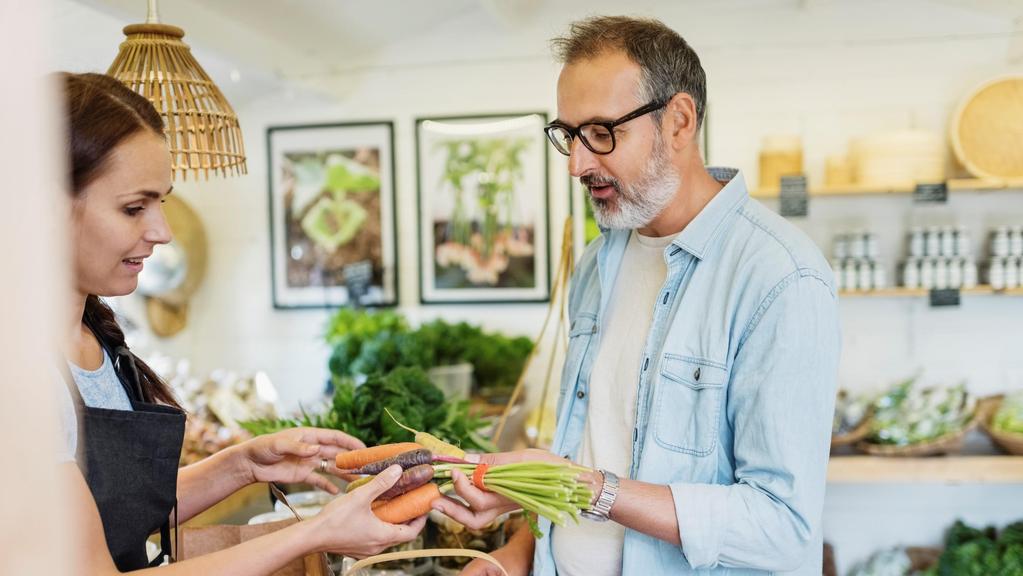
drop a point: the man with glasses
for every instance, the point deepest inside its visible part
(700, 377)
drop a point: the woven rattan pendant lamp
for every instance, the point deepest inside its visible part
(202, 128)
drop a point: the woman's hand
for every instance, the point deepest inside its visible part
(483, 507)
(348, 526)
(295, 455)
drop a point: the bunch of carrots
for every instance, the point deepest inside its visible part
(550, 490)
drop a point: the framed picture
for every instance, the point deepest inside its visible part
(332, 215)
(483, 206)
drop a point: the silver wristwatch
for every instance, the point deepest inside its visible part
(601, 510)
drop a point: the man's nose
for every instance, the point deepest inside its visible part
(580, 159)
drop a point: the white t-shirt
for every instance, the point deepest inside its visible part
(99, 389)
(595, 548)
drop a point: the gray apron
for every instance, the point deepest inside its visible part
(130, 462)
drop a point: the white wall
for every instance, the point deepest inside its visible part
(827, 71)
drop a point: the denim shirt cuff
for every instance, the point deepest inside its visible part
(701, 510)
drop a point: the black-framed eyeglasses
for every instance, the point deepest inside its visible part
(598, 137)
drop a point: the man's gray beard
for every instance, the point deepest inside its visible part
(638, 204)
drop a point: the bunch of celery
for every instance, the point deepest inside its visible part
(551, 490)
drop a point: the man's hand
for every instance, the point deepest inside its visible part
(483, 507)
(516, 556)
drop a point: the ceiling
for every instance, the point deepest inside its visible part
(270, 44)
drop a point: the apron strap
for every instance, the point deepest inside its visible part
(166, 551)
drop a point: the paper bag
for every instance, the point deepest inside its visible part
(199, 540)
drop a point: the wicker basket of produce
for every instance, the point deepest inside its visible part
(1002, 420)
(914, 421)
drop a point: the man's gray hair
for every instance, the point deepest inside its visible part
(669, 65)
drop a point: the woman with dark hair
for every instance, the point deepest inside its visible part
(122, 426)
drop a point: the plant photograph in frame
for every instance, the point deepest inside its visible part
(482, 203)
(332, 210)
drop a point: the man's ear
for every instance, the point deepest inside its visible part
(680, 115)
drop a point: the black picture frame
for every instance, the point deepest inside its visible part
(326, 172)
(460, 254)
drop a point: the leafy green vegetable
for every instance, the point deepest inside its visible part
(409, 395)
(973, 552)
(368, 342)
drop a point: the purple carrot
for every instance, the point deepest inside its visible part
(410, 479)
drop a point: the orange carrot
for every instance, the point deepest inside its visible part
(408, 506)
(359, 458)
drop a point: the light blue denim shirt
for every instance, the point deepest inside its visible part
(735, 394)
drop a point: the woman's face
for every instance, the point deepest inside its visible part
(117, 219)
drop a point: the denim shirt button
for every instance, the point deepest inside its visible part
(696, 375)
(580, 394)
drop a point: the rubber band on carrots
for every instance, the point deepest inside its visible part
(477, 475)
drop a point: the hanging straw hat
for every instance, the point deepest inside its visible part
(175, 270)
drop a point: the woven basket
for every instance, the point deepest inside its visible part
(855, 435)
(1008, 441)
(984, 129)
(947, 444)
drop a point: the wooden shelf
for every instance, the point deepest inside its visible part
(922, 293)
(940, 469)
(954, 185)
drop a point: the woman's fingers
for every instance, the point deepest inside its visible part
(336, 438)
(379, 484)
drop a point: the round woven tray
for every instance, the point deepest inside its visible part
(985, 130)
(853, 436)
(947, 444)
(1008, 441)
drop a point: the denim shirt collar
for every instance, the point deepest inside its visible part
(697, 237)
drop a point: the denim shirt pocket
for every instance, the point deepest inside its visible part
(580, 334)
(688, 404)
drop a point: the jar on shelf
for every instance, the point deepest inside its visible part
(933, 241)
(849, 279)
(955, 273)
(1012, 272)
(836, 271)
(948, 242)
(870, 246)
(879, 276)
(1016, 241)
(964, 244)
(969, 273)
(1000, 242)
(911, 273)
(927, 273)
(996, 273)
(940, 274)
(864, 275)
(916, 243)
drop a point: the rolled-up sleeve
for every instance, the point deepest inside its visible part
(779, 405)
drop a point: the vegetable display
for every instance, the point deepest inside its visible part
(908, 414)
(1009, 417)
